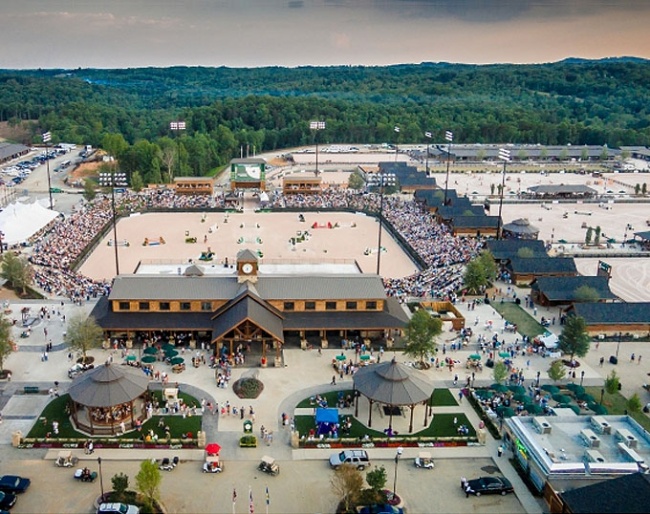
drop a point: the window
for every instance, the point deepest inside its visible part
(206, 306)
(371, 305)
(289, 306)
(125, 306)
(351, 306)
(186, 306)
(164, 306)
(330, 306)
(310, 306)
(143, 306)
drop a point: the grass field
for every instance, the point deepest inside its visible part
(526, 324)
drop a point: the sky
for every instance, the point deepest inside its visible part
(253, 33)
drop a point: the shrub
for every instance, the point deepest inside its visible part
(249, 388)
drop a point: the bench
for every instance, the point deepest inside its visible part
(31, 389)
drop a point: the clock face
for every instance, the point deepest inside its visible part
(247, 268)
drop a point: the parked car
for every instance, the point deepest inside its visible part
(14, 484)
(7, 500)
(117, 508)
(489, 485)
(358, 458)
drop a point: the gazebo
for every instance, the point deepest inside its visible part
(105, 397)
(520, 229)
(395, 385)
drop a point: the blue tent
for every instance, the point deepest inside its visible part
(327, 415)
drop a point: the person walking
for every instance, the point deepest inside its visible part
(499, 451)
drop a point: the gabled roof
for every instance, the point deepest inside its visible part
(543, 265)
(562, 189)
(475, 222)
(454, 211)
(435, 197)
(558, 289)
(311, 287)
(503, 249)
(173, 287)
(643, 235)
(247, 306)
(246, 255)
(613, 313)
(629, 494)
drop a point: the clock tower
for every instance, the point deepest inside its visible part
(247, 266)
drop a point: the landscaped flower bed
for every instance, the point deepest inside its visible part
(43, 442)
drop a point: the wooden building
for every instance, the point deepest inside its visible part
(249, 173)
(524, 271)
(247, 306)
(293, 185)
(554, 291)
(194, 185)
(613, 319)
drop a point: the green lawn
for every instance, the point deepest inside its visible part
(331, 397)
(441, 426)
(616, 404)
(56, 410)
(442, 398)
(526, 324)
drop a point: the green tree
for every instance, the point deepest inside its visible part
(586, 294)
(120, 483)
(83, 333)
(377, 481)
(543, 154)
(356, 181)
(604, 154)
(6, 340)
(574, 339)
(115, 145)
(480, 155)
(137, 184)
(479, 272)
(597, 236)
(420, 335)
(634, 404)
(500, 372)
(644, 188)
(564, 154)
(556, 371)
(612, 383)
(89, 190)
(492, 187)
(148, 481)
(17, 271)
(584, 154)
(637, 189)
(346, 483)
(589, 236)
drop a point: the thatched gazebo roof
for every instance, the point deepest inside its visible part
(108, 385)
(521, 227)
(393, 383)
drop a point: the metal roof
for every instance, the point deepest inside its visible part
(108, 385)
(393, 383)
(173, 287)
(248, 307)
(330, 287)
(541, 265)
(613, 313)
(503, 249)
(558, 289)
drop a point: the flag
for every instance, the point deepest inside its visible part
(234, 495)
(268, 498)
(428, 134)
(251, 506)
(396, 129)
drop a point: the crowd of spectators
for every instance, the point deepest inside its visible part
(444, 253)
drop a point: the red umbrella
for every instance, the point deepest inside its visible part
(213, 449)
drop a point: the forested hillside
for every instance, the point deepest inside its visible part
(583, 102)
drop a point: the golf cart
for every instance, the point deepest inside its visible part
(212, 462)
(424, 460)
(268, 465)
(65, 459)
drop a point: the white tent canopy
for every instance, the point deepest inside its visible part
(19, 221)
(549, 340)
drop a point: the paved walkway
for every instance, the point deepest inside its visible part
(306, 373)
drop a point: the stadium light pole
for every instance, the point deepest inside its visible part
(396, 141)
(428, 135)
(47, 137)
(176, 127)
(382, 178)
(316, 126)
(113, 180)
(504, 155)
(449, 137)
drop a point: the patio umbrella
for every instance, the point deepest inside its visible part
(521, 398)
(213, 448)
(341, 357)
(504, 355)
(130, 358)
(586, 397)
(499, 388)
(598, 408)
(572, 386)
(171, 353)
(561, 398)
(475, 357)
(168, 346)
(177, 360)
(550, 388)
(505, 412)
(148, 359)
(562, 241)
(574, 408)
(517, 389)
(484, 393)
(150, 350)
(533, 408)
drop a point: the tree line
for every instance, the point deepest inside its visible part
(263, 109)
